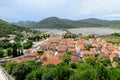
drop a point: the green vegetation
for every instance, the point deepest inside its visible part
(88, 47)
(116, 34)
(27, 45)
(40, 53)
(5, 44)
(16, 48)
(90, 36)
(1, 53)
(112, 38)
(89, 69)
(7, 49)
(7, 28)
(38, 37)
(13, 39)
(70, 35)
(67, 57)
(54, 22)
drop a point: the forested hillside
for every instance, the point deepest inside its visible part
(54, 22)
(7, 28)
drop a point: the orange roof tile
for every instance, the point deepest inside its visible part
(47, 54)
(33, 54)
(75, 58)
(55, 60)
(113, 55)
(25, 59)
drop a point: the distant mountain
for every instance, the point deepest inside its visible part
(8, 28)
(54, 22)
(25, 23)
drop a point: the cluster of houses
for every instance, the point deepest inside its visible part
(11, 37)
(56, 47)
(98, 47)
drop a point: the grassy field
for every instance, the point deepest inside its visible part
(111, 38)
(114, 27)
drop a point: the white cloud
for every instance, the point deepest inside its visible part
(99, 6)
(114, 15)
(71, 9)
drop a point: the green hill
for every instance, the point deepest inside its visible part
(7, 28)
(54, 22)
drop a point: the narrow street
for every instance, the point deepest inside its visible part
(33, 48)
(3, 75)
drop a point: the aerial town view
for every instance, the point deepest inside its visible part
(59, 40)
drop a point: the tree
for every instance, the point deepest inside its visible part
(35, 74)
(52, 74)
(67, 57)
(115, 73)
(87, 74)
(64, 72)
(5, 44)
(21, 51)
(90, 36)
(27, 45)
(9, 66)
(20, 71)
(9, 51)
(17, 39)
(40, 53)
(1, 53)
(92, 61)
(88, 47)
(73, 65)
(103, 73)
(14, 47)
(106, 62)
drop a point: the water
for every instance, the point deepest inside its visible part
(85, 31)
(96, 31)
(51, 31)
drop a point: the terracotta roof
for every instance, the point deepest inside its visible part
(75, 58)
(81, 46)
(71, 45)
(27, 51)
(33, 54)
(113, 55)
(54, 60)
(62, 47)
(93, 50)
(60, 54)
(103, 55)
(47, 54)
(105, 50)
(87, 52)
(52, 46)
(25, 59)
(71, 49)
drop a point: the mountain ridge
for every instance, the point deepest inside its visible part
(8, 28)
(55, 22)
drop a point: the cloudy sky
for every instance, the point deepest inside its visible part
(36, 10)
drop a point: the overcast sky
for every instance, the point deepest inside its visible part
(36, 10)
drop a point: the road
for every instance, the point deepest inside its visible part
(4, 75)
(35, 47)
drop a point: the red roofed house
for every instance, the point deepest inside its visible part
(54, 60)
(113, 57)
